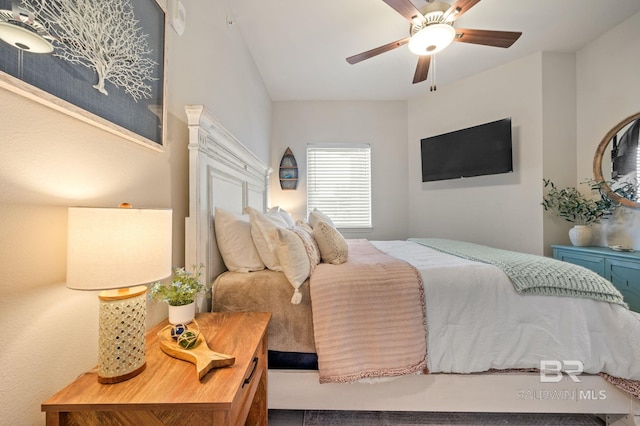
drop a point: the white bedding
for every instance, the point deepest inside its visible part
(477, 322)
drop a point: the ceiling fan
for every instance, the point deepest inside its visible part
(431, 30)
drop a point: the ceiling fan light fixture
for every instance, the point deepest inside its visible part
(24, 38)
(432, 39)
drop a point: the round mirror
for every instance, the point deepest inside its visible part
(618, 154)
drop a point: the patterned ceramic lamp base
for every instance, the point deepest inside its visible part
(122, 344)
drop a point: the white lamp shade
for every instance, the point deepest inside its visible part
(110, 248)
(432, 39)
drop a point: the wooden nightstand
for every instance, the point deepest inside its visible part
(168, 391)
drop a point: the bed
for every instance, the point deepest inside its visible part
(223, 174)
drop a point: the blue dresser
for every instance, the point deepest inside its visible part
(621, 268)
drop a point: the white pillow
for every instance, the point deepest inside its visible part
(285, 215)
(261, 227)
(333, 247)
(316, 216)
(274, 216)
(293, 258)
(233, 233)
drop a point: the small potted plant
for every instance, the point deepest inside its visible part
(180, 294)
(575, 207)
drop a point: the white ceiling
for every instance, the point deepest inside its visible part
(300, 46)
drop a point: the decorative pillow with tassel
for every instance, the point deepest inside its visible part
(293, 258)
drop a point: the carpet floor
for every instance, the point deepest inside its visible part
(374, 418)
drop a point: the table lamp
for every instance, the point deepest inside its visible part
(117, 250)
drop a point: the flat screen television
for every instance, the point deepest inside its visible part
(479, 150)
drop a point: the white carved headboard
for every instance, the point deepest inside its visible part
(222, 173)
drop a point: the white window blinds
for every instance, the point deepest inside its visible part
(339, 183)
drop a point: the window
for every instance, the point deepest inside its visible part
(339, 183)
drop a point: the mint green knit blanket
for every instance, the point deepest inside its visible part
(531, 274)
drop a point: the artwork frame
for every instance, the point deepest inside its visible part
(71, 87)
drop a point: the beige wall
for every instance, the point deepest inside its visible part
(383, 124)
(498, 210)
(49, 161)
(559, 136)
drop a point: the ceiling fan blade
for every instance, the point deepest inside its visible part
(487, 37)
(406, 9)
(422, 69)
(460, 7)
(378, 50)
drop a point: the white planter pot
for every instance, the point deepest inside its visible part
(580, 235)
(182, 314)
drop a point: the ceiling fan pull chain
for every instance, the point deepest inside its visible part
(433, 74)
(433, 71)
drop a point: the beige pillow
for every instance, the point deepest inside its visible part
(233, 234)
(261, 227)
(317, 216)
(310, 245)
(304, 225)
(293, 259)
(333, 247)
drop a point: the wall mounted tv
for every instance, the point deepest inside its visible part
(479, 150)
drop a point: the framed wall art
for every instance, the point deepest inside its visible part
(101, 62)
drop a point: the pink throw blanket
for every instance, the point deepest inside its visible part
(368, 316)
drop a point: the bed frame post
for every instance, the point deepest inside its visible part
(222, 173)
